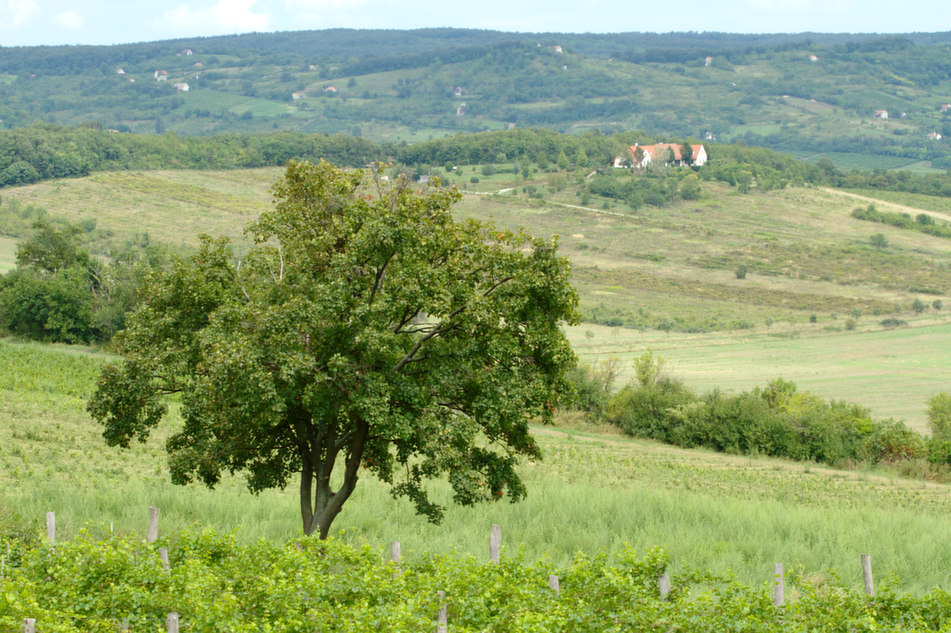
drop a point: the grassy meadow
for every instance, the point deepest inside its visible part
(662, 278)
(593, 491)
(7, 254)
(809, 310)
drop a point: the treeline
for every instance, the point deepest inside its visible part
(923, 222)
(775, 421)
(47, 151)
(44, 151)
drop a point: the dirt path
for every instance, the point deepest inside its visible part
(901, 207)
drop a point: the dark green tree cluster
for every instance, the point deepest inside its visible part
(59, 293)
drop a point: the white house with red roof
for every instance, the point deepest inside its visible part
(640, 156)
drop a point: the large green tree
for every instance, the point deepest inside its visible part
(364, 329)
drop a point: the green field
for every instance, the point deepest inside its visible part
(892, 372)
(7, 254)
(594, 491)
(641, 269)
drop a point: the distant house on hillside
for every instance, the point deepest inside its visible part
(298, 95)
(120, 72)
(708, 61)
(182, 87)
(558, 49)
(186, 51)
(945, 107)
(813, 58)
(640, 156)
(934, 136)
(881, 114)
(330, 89)
(458, 91)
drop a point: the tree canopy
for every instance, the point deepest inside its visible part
(366, 328)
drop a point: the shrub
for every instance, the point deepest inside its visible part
(939, 416)
(892, 441)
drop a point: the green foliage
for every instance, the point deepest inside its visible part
(216, 585)
(776, 421)
(740, 271)
(593, 385)
(364, 324)
(939, 416)
(924, 223)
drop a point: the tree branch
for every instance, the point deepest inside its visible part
(379, 277)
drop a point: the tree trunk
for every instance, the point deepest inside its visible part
(320, 504)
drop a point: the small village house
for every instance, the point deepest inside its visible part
(640, 156)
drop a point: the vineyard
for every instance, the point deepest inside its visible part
(211, 583)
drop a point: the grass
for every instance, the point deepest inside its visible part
(593, 491)
(7, 254)
(650, 268)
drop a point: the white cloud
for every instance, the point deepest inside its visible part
(17, 13)
(72, 20)
(225, 16)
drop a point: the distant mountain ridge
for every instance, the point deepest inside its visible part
(811, 93)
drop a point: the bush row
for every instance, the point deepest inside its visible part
(775, 421)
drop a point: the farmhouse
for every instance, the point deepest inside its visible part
(881, 114)
(181, 87)
(639, 156)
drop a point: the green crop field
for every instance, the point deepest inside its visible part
(594, 491)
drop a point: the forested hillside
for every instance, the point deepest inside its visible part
(814, 94)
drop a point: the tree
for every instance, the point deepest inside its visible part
(686, 154)
(878, 241)
(939, 415)
(365, 328)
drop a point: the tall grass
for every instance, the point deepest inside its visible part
(591, 492)
(7, 254)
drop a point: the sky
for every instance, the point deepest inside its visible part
(56, 22)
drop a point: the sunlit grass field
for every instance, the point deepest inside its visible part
(594, 491)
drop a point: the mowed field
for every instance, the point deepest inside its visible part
(808, 310)
(594, 491)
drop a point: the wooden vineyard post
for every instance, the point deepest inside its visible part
(442, 619)
(867, 574)
(51, 528)
(495, 543)
(395, 551)
(163, 554)
(663, 585)
(29, 625)
(553, 584)
(153, 524)
(779, 590)
(171, 623)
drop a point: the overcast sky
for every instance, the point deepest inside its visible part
(32, 22)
